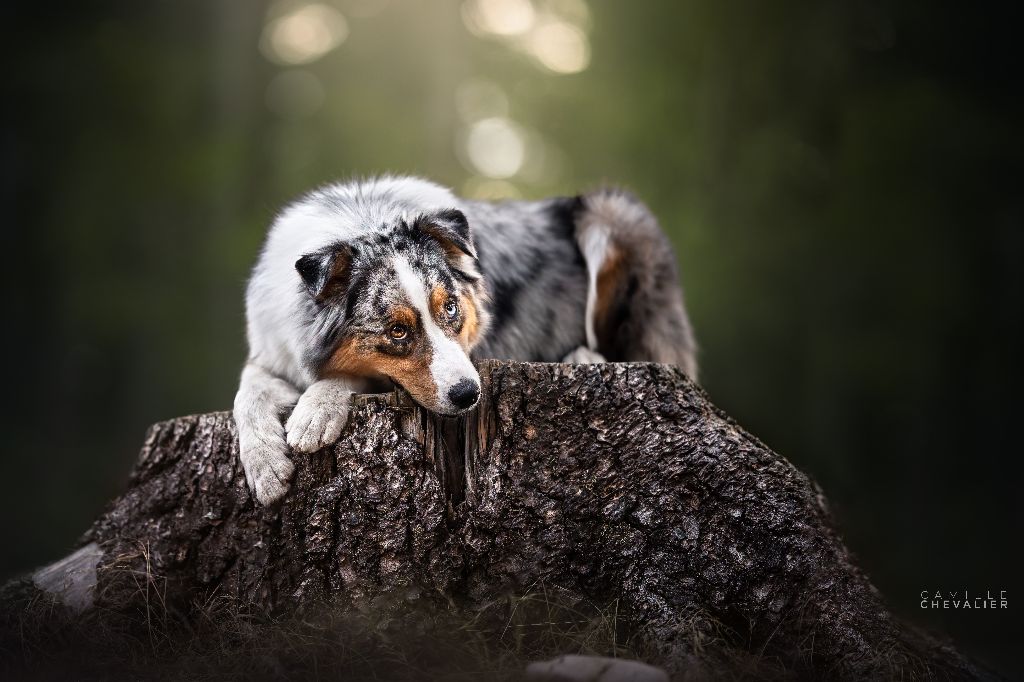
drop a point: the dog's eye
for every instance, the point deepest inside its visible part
(451, 308)
(398, 332)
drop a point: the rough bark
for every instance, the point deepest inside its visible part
(617, 481)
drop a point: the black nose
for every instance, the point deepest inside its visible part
(464, 394)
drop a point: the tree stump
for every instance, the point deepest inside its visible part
(614, 481)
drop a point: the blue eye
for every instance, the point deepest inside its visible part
(451, 308)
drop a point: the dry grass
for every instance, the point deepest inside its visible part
(154, 635)
(219, 638)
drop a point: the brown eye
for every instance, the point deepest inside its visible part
(398, 332)
(451, 308)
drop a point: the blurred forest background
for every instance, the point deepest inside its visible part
(841, 180)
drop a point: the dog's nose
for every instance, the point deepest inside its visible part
(463, 395)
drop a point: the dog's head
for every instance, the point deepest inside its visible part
(406, 303)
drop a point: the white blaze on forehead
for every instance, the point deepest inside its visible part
(449, 363)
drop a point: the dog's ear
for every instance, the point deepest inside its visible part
(450, 229)
(325, 273)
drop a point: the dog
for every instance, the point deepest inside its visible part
(395, 281)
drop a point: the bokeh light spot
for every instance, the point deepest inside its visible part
(559, 46)
(304, 35)
(496, 147)
(499, 17)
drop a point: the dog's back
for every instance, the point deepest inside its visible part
(592, 271)
(535, 275)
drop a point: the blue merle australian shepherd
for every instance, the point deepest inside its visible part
(397, 281)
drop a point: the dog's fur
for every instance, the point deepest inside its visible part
(397, 281)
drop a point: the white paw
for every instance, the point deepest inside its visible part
(267, 469)
(583, 356)
(318, 419)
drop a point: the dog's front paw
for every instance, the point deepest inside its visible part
(583, 356)
(267, 470)
(318, 419)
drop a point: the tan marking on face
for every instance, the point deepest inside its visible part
(438, 297)
(411, 372)
(470, 322)
(609, 283)
(467, 307)
(403, 314)
(351, 359)
(360, 357)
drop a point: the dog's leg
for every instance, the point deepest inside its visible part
(261, 401)
(584, 356)
(594, 246)
(320, 415)
(635, 309)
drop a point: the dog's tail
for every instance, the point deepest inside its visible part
(635, 308)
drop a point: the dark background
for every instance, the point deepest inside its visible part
(842, 182)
